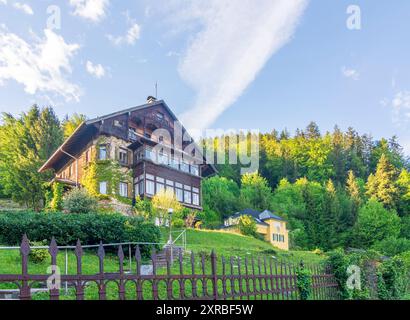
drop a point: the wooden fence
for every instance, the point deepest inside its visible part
(178, 277)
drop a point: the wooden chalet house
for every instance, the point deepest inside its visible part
(141, 142)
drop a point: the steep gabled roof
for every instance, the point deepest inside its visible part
(78, 139)
(124, 111)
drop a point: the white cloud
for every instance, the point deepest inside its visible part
(3, 2)
(23, 7)
(234, 42)
(133, 34)
(97, 70)
(400, 105)
(350, 73)
(94, 10)
(42, 66)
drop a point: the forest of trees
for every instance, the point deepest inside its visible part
(338, 189)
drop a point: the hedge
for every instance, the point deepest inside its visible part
(90, 229)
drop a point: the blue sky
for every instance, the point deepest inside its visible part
(218, 63)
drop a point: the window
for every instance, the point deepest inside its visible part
(161, 139)
(141, 187)
(123, 156)
(160, 187)
(187, 197)
(163, 158)
(195, 170)
(175, 163)
(195, 199)
(195, 190)
(123, 189)
(179, 194)
(70, 169)
(102, 152)
(103, 187)
(160, 116)
(185, 167)
(149, 154)
(150, 187)
(86, 157)
(278, 237)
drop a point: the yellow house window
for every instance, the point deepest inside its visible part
(278, 237)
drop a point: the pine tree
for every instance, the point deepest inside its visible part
(312, 131)
(330, 217)
(352, 187)
(381, 185)
(353, 190)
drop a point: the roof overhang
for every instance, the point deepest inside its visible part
(71, 146)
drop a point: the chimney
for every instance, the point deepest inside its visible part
(151, 99)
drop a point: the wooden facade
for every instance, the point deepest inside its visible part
(143, 141)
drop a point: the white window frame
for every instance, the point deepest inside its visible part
(187, 196)
(179, 194)
(100, 150)
(150, 186)
(123, 189)
(195, 199)
(103, 187)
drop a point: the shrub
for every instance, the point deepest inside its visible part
(318, 251)
(56, 203)
(392, 279)
(304, 282)
(79, 201)
(247, 226)
(375, 223)
(178, 223)
(89, 228)
(38, 255)
(392, 246)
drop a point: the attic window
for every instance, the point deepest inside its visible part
(160, 116)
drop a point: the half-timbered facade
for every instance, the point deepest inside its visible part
(149, 146)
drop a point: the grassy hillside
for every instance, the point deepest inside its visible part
(228, 244)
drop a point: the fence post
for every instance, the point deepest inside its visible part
(214, 275)
(25, 251)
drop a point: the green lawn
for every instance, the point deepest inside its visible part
(201, 242)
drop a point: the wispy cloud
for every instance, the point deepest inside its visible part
(96, 70)
(40, 67)
(133, 34)
(234, 42)
(400, 105)
(94, 10)
(350, 73)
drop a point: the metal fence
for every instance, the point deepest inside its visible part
(187, 277)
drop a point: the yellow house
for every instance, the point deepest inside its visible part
(272, 227)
